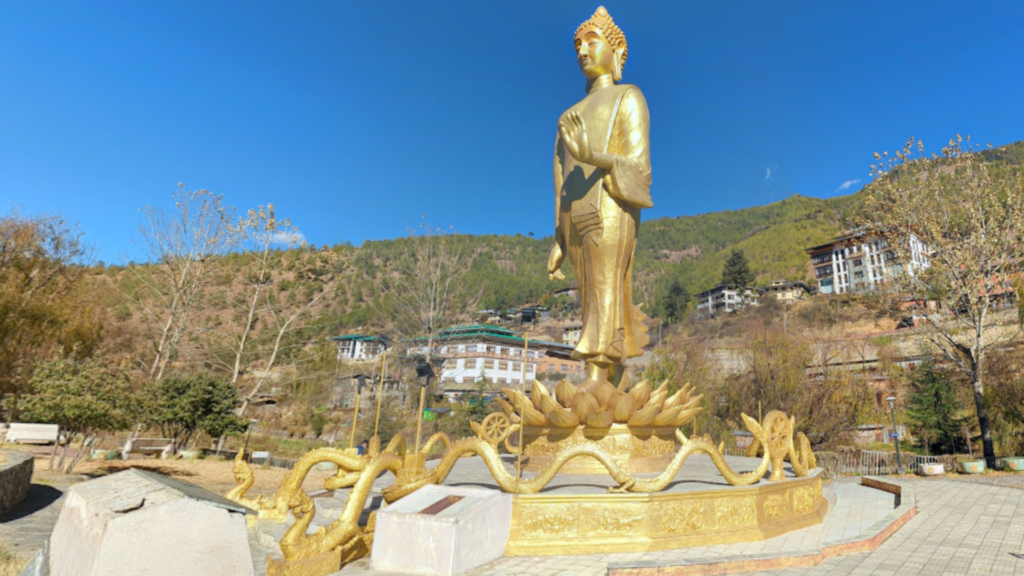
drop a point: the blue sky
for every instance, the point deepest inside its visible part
(356, 118)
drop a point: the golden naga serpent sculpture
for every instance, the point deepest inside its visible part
(352, 541)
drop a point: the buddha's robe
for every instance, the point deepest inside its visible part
(597, 215)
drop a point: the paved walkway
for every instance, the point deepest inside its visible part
(25, 529)
(962, 528)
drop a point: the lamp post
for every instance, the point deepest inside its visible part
(248, 434)
(385, 342)
(426, 371)
(896, 435)
(360, 382)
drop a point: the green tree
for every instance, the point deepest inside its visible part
(202, 401)
(677, 300)
(85, 397)
(737, 271)
(932, 407)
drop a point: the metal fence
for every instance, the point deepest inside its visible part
(874, 463)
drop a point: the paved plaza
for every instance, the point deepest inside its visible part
(964, 526)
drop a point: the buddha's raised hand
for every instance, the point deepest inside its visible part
(574, 134)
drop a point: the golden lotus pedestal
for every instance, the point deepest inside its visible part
(638, 450)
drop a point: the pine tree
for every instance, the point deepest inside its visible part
(932, 408)
(737, 271)
(677, 298)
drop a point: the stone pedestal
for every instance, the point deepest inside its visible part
(443, 530)
(15, 478)
(136, 522)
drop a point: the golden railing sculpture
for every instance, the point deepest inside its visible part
(345, 540)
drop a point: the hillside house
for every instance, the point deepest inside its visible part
(358, 347)
(723, 298)
(571, 334)
(861, 259)
(784, 292)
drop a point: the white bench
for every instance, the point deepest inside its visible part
(22, 433)
(148, 446)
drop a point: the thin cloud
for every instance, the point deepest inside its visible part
(769, 174)
(287, 239)
(847, 185)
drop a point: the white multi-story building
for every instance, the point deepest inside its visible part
(860, 260)
(724, 298)
(358, 347)
(493, 355)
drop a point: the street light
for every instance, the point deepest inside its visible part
(895, 434)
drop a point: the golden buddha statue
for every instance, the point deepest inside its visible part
(602, 180)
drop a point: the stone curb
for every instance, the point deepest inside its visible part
(864, 542)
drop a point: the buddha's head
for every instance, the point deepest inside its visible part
(601, 46)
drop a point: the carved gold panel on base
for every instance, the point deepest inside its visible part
(319, 565)
(585, 524)
(638, 450)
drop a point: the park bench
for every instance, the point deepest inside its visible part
(148, 446)
(22, 433)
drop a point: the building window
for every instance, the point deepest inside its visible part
(471, 363)
(529, 368)
(531, 354)
(488, 364)
(551, 367)
(471, 349)
(502, 381)
(502, 365)
(517, 365)
(490, 349)
(565, 367)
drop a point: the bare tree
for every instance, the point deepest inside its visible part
(969, 215)
(283, 319)
(431, 293)
(182, 245)
(258, 234)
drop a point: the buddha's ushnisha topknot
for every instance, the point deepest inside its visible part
(612, 33)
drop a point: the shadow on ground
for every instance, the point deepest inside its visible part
(39, 497)
(165, 470)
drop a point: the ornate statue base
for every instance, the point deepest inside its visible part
(554, 524)
(637, 450)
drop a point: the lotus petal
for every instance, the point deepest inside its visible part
(623, 408)
(644, 416)
(584, 404)
(537, 393)
(693, 402)
(562, 418)
(604, 392)
(505, 406)
(673, 400)
(685, 416)
(667, 417)
(565, 392)
(641, 393)
(600, 419)
(534, 417)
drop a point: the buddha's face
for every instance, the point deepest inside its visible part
(593, 53)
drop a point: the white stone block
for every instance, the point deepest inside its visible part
(136, 522)
(442, 530)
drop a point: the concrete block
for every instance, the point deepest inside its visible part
(137, 522)
(444, 530)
